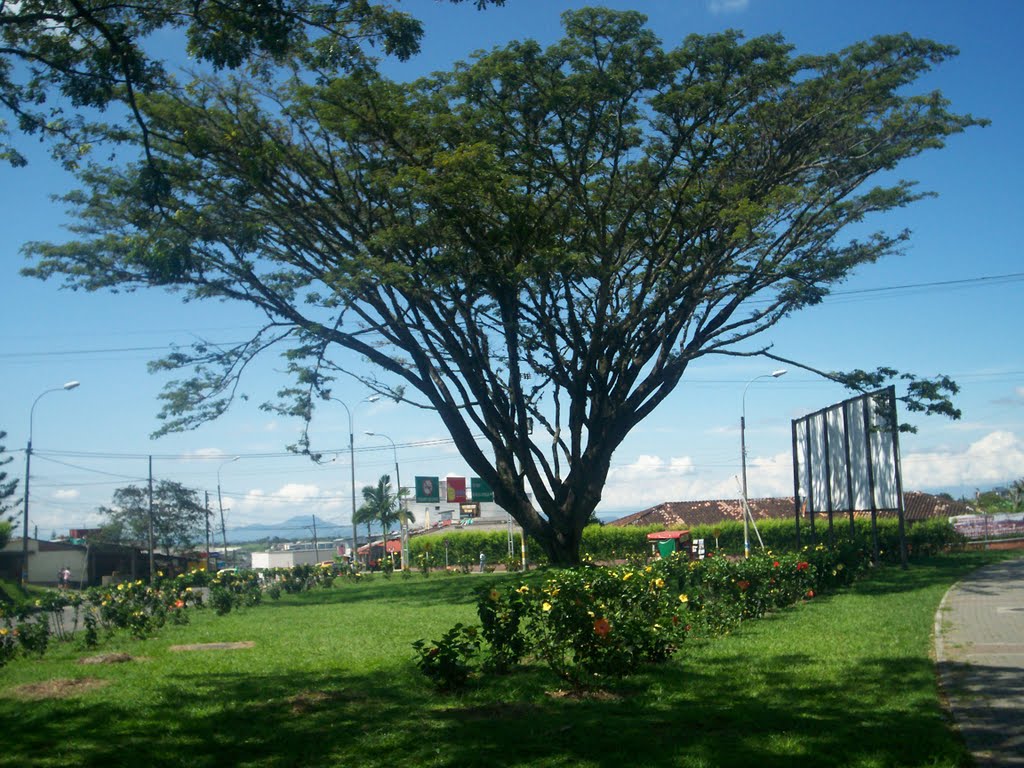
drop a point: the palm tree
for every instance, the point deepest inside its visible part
(381, 504)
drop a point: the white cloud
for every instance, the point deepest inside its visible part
(205, 453)
(994, 458)
(260, 506)
(67, 494)
(728, 6)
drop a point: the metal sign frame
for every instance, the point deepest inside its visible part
(846, 458)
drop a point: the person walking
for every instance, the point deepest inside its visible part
(64, 578)
(483, 561)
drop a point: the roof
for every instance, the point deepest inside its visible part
(684, 514)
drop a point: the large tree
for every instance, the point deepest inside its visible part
(178, 517)
(62, 60)
(536, 244)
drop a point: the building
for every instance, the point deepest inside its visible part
(687, 514)
(91, 563)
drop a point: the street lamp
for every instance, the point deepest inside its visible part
(220, 506)
(28, 465)
(743, 454)
(352, 465)
(402, 522)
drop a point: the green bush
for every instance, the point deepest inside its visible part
(447, 662)
(502, 617)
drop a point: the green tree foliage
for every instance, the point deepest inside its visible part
(539, 237)
(382, 505)
(88, 54)
(179, 518)
(8, 500)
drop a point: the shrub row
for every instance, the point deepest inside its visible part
(141, 609)
(611, 543)
(592, 624)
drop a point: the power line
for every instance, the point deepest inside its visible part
(986, 280)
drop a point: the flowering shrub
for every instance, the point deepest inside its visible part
(501, 619)
(594, 623)
(448, 662)
(8, 645)
(724, 592)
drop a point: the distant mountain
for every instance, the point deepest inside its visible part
(294, 528)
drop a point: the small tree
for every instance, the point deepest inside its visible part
(382, 505)
(178, 516)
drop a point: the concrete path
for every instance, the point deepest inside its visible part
(979, 649)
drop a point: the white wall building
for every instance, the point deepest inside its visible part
(45, 560)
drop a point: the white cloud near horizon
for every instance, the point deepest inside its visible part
(995, 458)
(67, 494)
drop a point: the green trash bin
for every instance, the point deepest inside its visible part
(666, 547)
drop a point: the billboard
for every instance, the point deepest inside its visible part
(428, 490)
(846, 459)
(456, 489)
(480, 490)
(846, 456)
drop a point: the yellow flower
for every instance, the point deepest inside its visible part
(684, 598)
(545, 606)
(3, 631)
(523, 590)
(494, 595)
(648, 569)
(120, 586)
(627, 576)
(659, 583)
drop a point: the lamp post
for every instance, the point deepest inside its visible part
(220, 506)
(402, 522)
(743, 453)
(352, 465)
(28, 467)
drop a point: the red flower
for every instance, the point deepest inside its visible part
(810, 593)
(802, 566)
(602, 627)
(179, 603)
(744, 585)
(775, 564)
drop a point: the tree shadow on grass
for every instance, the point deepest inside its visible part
(720, 712)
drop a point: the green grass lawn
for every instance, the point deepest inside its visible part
(841, 680)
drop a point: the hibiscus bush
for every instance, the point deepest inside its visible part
(597, 623)
(502, 621)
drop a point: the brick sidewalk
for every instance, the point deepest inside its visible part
(979, 649)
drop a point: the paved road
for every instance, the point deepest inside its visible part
(979, 648)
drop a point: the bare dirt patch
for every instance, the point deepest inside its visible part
(214, 646)
(108, 658)
(489, 712)
(58, 689)
(584, 695)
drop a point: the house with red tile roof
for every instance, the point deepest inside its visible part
(687, 514)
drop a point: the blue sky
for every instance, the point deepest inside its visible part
(961, 315)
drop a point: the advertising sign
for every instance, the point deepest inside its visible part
(428, 489)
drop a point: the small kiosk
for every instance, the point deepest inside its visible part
(665, 543)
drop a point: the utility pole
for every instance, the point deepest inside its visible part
(316, 544)
(207, 507)
(152, 569)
